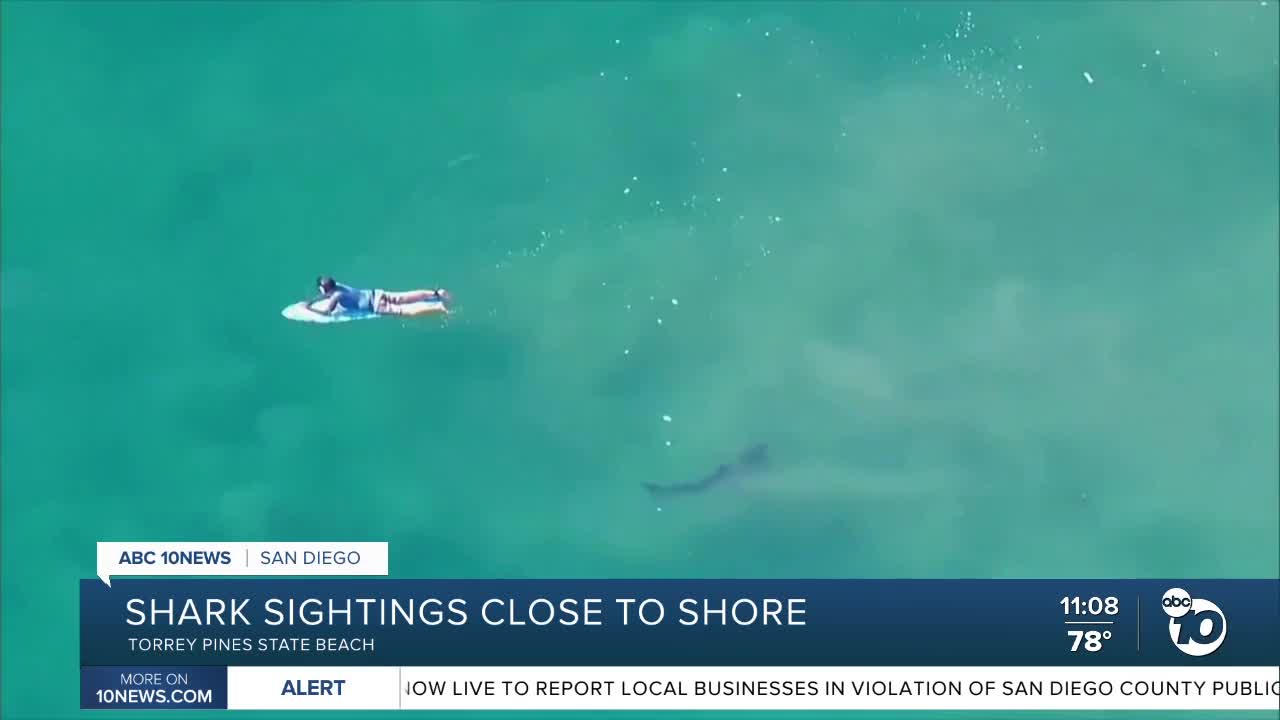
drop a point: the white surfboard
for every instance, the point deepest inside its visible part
(300, 313)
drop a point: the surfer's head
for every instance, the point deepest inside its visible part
(326, 283)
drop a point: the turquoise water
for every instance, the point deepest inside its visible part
(993, 319)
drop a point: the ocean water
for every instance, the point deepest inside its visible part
(996, 282)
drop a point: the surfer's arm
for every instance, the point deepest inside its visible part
(324, 305)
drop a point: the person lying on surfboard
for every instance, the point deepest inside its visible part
(336, 297)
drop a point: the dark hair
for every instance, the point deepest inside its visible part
(325, 283)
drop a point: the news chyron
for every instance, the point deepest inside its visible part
(324, 626)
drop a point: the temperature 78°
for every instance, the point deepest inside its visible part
(1091, 639)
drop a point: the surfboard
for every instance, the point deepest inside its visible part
(299, 313)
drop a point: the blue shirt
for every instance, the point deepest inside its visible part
(350, 298)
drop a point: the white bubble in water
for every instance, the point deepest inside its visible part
(675, 301)
(666, 418)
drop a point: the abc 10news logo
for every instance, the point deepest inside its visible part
(1198, 627)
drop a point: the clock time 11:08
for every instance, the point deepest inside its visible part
(1090, 606)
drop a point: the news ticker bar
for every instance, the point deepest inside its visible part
(680, 688)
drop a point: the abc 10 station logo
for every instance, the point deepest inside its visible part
(1198, 627)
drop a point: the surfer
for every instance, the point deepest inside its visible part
(755, 458)
(336, 297)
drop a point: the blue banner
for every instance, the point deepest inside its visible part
(353, 622)
(149, 687)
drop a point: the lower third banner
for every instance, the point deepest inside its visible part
(677, 644)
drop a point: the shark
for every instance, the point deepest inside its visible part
(753, 459)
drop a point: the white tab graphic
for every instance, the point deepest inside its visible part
(989, 689)
(254, 558)
(313, 688)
